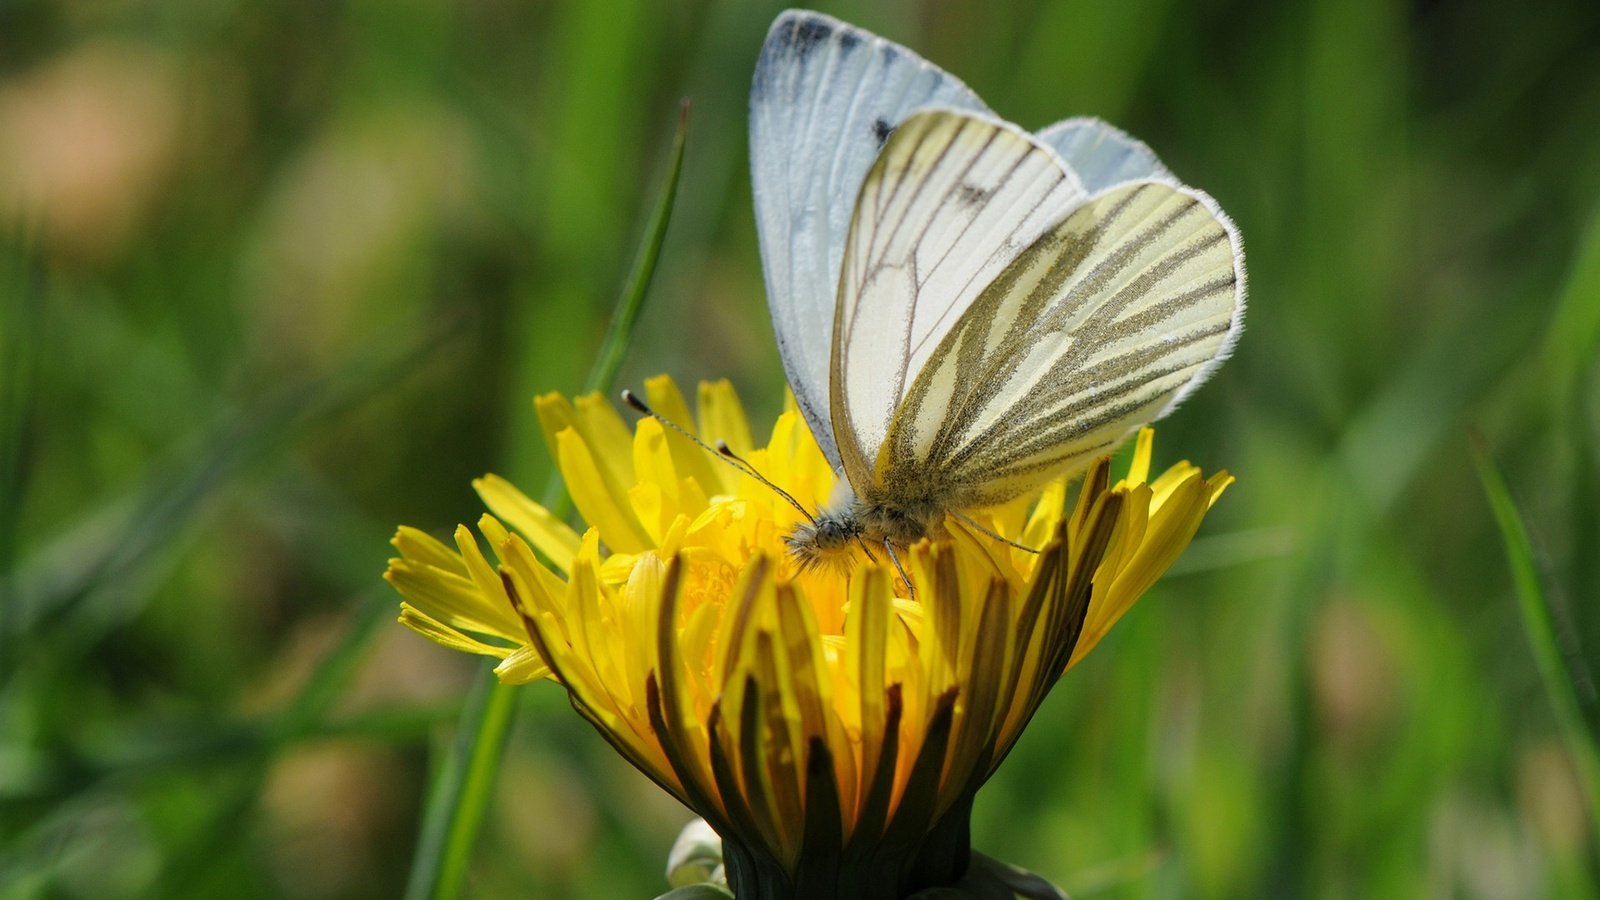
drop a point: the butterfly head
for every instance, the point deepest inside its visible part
(828, 540)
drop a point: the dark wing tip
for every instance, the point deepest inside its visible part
(791, 40)
(799, 31)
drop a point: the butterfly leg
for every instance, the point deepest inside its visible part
(866, 549)
(979, 528)
(888, 546)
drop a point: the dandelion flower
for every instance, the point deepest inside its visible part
(832, 725)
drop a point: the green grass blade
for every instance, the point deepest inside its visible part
(1556, 670)
(1575, 330)
(21, 296)
(464, 787)
(626, 315)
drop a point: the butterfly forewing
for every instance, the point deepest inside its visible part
(952, 199)
(825, 98)
(1100, 326)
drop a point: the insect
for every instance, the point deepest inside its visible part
(966, 310)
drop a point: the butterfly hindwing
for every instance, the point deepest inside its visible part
(1102, 154)
(952, 199)
(1101, 325)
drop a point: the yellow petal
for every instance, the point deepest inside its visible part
(691, 461)
(421, 547)
(444, 635)
(722, 419)
(1144, 446)
(523, 557)
(602, 427)
(521, 667)
(596, 502)
(449, 598)
(592, 423)
(548, 534)
(1218, 483)
(487, 581)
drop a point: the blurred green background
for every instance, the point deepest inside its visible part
(278, 276)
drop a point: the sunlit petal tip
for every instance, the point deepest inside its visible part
(420, 547)
(1218, 483)
(522, 666)
(1143, 448)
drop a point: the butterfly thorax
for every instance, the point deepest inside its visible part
(900, 521)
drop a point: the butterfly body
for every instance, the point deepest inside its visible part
(839, 529)
(966, 310)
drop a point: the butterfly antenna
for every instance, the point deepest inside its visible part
(726, 452)
(721, 450)
(976, 527)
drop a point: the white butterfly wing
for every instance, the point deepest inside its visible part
(825, 97)
(952, 199)
(1102, 154)
(1102, 325)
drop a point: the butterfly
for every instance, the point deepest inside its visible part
(965, 310)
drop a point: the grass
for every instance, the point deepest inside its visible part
(322, 258)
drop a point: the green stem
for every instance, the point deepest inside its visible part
(21, 299)
(460, 795)
(626, 315)
(462, 790)
(1555, 669)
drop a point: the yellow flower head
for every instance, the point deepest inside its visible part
(831, 725)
